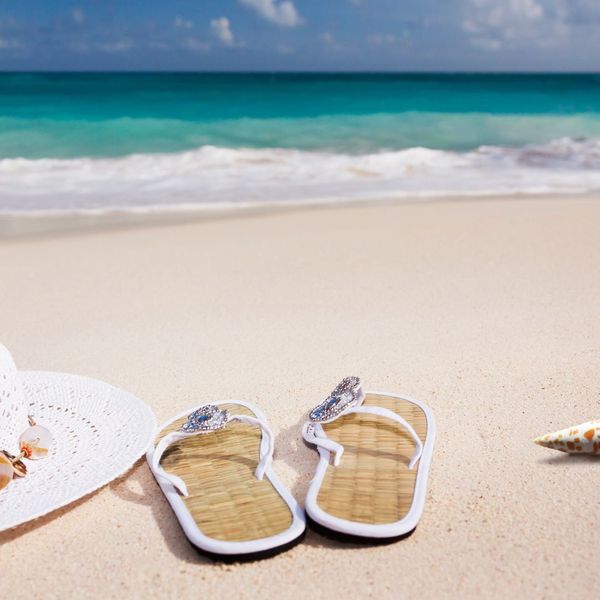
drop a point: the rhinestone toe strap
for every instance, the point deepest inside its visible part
(204, 420)
(347, 394)
(347, 398)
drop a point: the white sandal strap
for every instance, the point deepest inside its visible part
(266, 449)
(384, 412)
(314, 433)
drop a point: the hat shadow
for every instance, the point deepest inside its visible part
(121, 487)
(19, 530)
(117, 486)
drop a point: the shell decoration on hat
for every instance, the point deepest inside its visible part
(579, 439)
(6, 471)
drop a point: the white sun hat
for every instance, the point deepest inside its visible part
(98, 430)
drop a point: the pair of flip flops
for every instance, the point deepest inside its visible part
(214, 465)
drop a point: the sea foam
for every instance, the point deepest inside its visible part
(215, 176)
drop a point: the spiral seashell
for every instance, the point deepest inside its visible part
(6, 471)
(579, 439)
(19, 468)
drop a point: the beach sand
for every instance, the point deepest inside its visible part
(487, 310)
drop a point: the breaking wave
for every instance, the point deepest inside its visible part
(212, 176)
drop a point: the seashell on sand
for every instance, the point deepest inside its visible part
(579, 439)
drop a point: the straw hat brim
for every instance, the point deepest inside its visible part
(99, 432)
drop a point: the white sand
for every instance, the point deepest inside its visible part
(489, 311)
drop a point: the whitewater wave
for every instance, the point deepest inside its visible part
(213, 176)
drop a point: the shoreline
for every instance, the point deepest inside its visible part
(51, 223)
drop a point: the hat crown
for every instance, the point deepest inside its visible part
(13, 408)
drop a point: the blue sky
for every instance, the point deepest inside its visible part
(557, 35)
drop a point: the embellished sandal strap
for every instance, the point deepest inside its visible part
(347, 394)
(267, 445)
(348, 398)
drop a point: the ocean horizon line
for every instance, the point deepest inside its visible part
(298, 72)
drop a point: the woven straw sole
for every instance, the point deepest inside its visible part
(373, 484)
(225, 499)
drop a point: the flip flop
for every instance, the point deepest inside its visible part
(213, 464)
(382, 445)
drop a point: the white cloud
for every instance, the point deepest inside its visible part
(112, 47)
(582, 12)
(332, 42)
(486, 43)
(116, 46)
(9, 23)
(7, 44)
(221, 29)
(390, 39)
(78, 15)
(196, 45)
(281, 13)
(497, 14)
(182, 23)
(494, 24)
(382, 39)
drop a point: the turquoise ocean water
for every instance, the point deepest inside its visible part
(139, 141)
